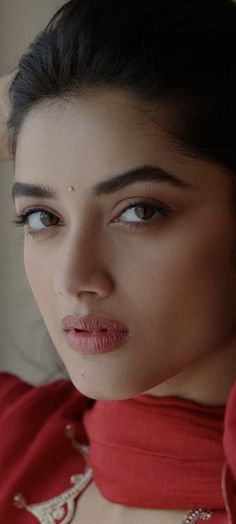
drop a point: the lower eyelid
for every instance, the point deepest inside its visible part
(23, 218)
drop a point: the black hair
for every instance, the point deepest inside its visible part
(176, 53)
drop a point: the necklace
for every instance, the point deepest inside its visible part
(61, 509)
(194, 514)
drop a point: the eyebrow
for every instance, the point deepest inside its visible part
(107, 187)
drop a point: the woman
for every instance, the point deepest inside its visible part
(122, 131)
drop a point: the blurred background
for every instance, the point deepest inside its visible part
(26, 349)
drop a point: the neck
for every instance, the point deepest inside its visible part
(208, 382)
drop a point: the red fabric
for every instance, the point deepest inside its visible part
(36, 458)
(229, 474)
(171, 456)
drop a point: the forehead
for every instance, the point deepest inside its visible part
(99, 134)
(106, 125)
(92, 114)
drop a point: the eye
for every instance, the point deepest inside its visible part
(34, 218)
(146, 214)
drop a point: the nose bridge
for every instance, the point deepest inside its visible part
(80, 266)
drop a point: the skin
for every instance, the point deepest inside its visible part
(173, 285)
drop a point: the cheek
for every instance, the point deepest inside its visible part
(186, 290)
(39, 274)
(179, 277)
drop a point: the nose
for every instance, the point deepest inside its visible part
(80, 270)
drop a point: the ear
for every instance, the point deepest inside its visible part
(5, 108)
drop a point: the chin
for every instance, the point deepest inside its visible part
(106, 392)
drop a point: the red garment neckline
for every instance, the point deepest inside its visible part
(157, 452)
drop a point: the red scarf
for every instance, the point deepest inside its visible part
(160, 453)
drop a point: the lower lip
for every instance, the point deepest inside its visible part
(90, 344)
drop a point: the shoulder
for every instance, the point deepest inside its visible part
(19, 396)
(33, 444)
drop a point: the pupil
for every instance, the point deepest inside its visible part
(142, 212)
(46, 218)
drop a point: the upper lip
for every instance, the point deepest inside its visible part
(91, 323)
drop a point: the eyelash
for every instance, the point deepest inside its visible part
(163, 210)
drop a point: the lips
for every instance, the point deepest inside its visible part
(92, 324)
(93, 334)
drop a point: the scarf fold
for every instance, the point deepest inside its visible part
(157, 452)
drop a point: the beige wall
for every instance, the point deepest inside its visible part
(25, 346)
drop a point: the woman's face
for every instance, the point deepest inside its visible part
(171, 281)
